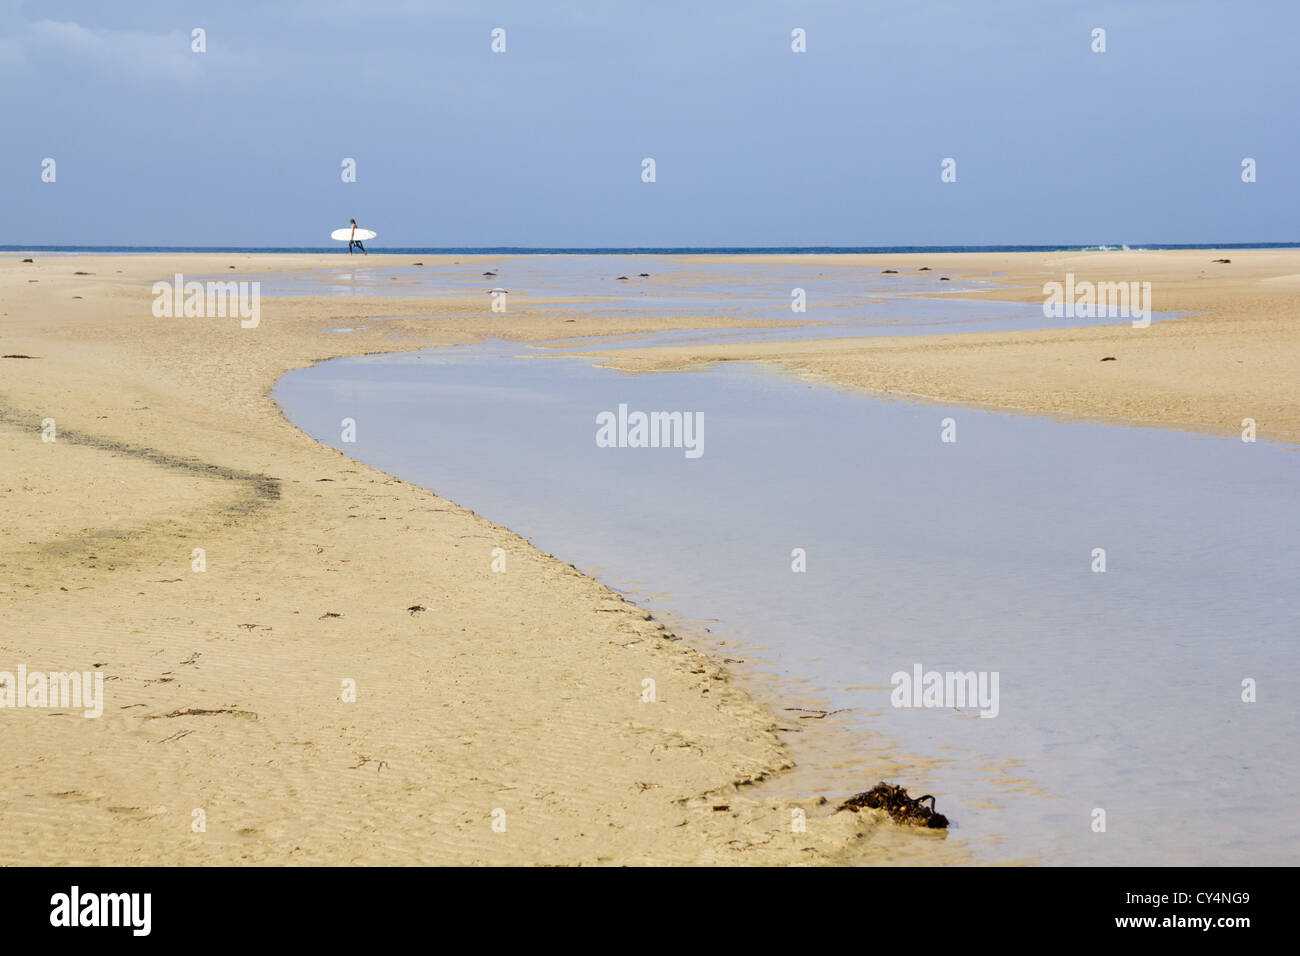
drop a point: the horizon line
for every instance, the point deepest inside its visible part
(597, 250)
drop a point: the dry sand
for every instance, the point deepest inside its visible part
(515, 693)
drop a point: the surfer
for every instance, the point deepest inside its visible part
(354, 241)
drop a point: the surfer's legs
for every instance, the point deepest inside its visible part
(362, 248)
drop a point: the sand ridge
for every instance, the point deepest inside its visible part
(1233, 354)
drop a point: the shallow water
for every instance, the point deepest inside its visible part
(847, 299)
(1118, 690)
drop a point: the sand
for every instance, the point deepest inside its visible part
(1233, 354)
(502, 724)
(511, 696)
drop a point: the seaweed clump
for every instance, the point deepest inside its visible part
(900, 807)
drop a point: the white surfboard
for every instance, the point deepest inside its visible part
(343, 235)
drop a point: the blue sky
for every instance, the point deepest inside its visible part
(754, 144)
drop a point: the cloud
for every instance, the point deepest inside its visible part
(314, 11)
(120, 53)
(105, 55)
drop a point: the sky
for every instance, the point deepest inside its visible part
(754, 144)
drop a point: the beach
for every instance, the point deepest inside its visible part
(364, 672)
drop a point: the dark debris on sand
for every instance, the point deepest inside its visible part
(900, 807)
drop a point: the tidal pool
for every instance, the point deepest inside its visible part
(1118, 690)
